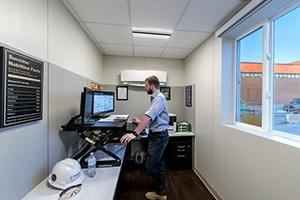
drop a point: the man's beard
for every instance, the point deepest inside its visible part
(150, 92)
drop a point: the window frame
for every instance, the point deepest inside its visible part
(268, 90)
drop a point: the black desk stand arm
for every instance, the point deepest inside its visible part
(100, 146)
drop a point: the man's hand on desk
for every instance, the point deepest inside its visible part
(127, 137)
(141, 125)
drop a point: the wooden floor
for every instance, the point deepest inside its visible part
(182, 184)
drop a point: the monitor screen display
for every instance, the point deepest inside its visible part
(103, 102)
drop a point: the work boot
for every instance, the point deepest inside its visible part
(155, 196)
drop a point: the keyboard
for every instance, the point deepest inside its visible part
(121, 117)
(114, 118)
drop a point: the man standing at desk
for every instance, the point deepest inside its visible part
(157, 118)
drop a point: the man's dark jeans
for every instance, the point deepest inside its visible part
(155, 164)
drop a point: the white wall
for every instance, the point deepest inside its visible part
(23, 25)
(237, 164)
(45, 30)
(112, 66)
(68, 45)
(199, 71)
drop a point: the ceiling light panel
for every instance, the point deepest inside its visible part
(150, 35)
(156, 13)
(152, 30)
(102, 11)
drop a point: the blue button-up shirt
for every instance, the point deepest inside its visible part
(158, 112)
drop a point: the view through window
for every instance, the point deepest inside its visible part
(249, 78)
(287, 73)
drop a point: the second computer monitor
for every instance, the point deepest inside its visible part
(86, 107)
(103, 102)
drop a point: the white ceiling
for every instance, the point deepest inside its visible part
(109, 24)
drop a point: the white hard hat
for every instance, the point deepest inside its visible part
(66, 173)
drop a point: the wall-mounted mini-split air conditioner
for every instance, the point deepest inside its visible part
(137, 77)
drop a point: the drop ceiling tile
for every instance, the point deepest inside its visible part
(104, 33)
(115, 49)
(205, 15)
(184, 39)
(147, 51)
(156, 13)
(102, 11)
(176, 53)
(149, 42)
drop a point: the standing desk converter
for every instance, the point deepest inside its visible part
(97, 135)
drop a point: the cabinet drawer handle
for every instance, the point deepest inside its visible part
(180, 156)
(181, 146)
(181, 150)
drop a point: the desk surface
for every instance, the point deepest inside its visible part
(181, 134)
(174, 134)
(102, 186)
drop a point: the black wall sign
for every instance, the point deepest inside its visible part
(188, 96)
(21, 88)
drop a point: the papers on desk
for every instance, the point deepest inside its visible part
(114, 118)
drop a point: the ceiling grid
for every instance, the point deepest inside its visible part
(109, 24)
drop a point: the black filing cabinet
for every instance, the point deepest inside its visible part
(179, 153)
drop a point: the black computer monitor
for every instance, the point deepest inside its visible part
(103, 103)
(86, 105)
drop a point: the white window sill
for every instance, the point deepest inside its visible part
(276, 136)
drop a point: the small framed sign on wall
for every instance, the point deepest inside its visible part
(166, 91)
(188, 96)
(122, 93)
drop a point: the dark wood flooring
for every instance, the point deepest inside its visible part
(182, 185)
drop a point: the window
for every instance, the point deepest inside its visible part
(268, 74)
(249, 78)
(286, 71)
